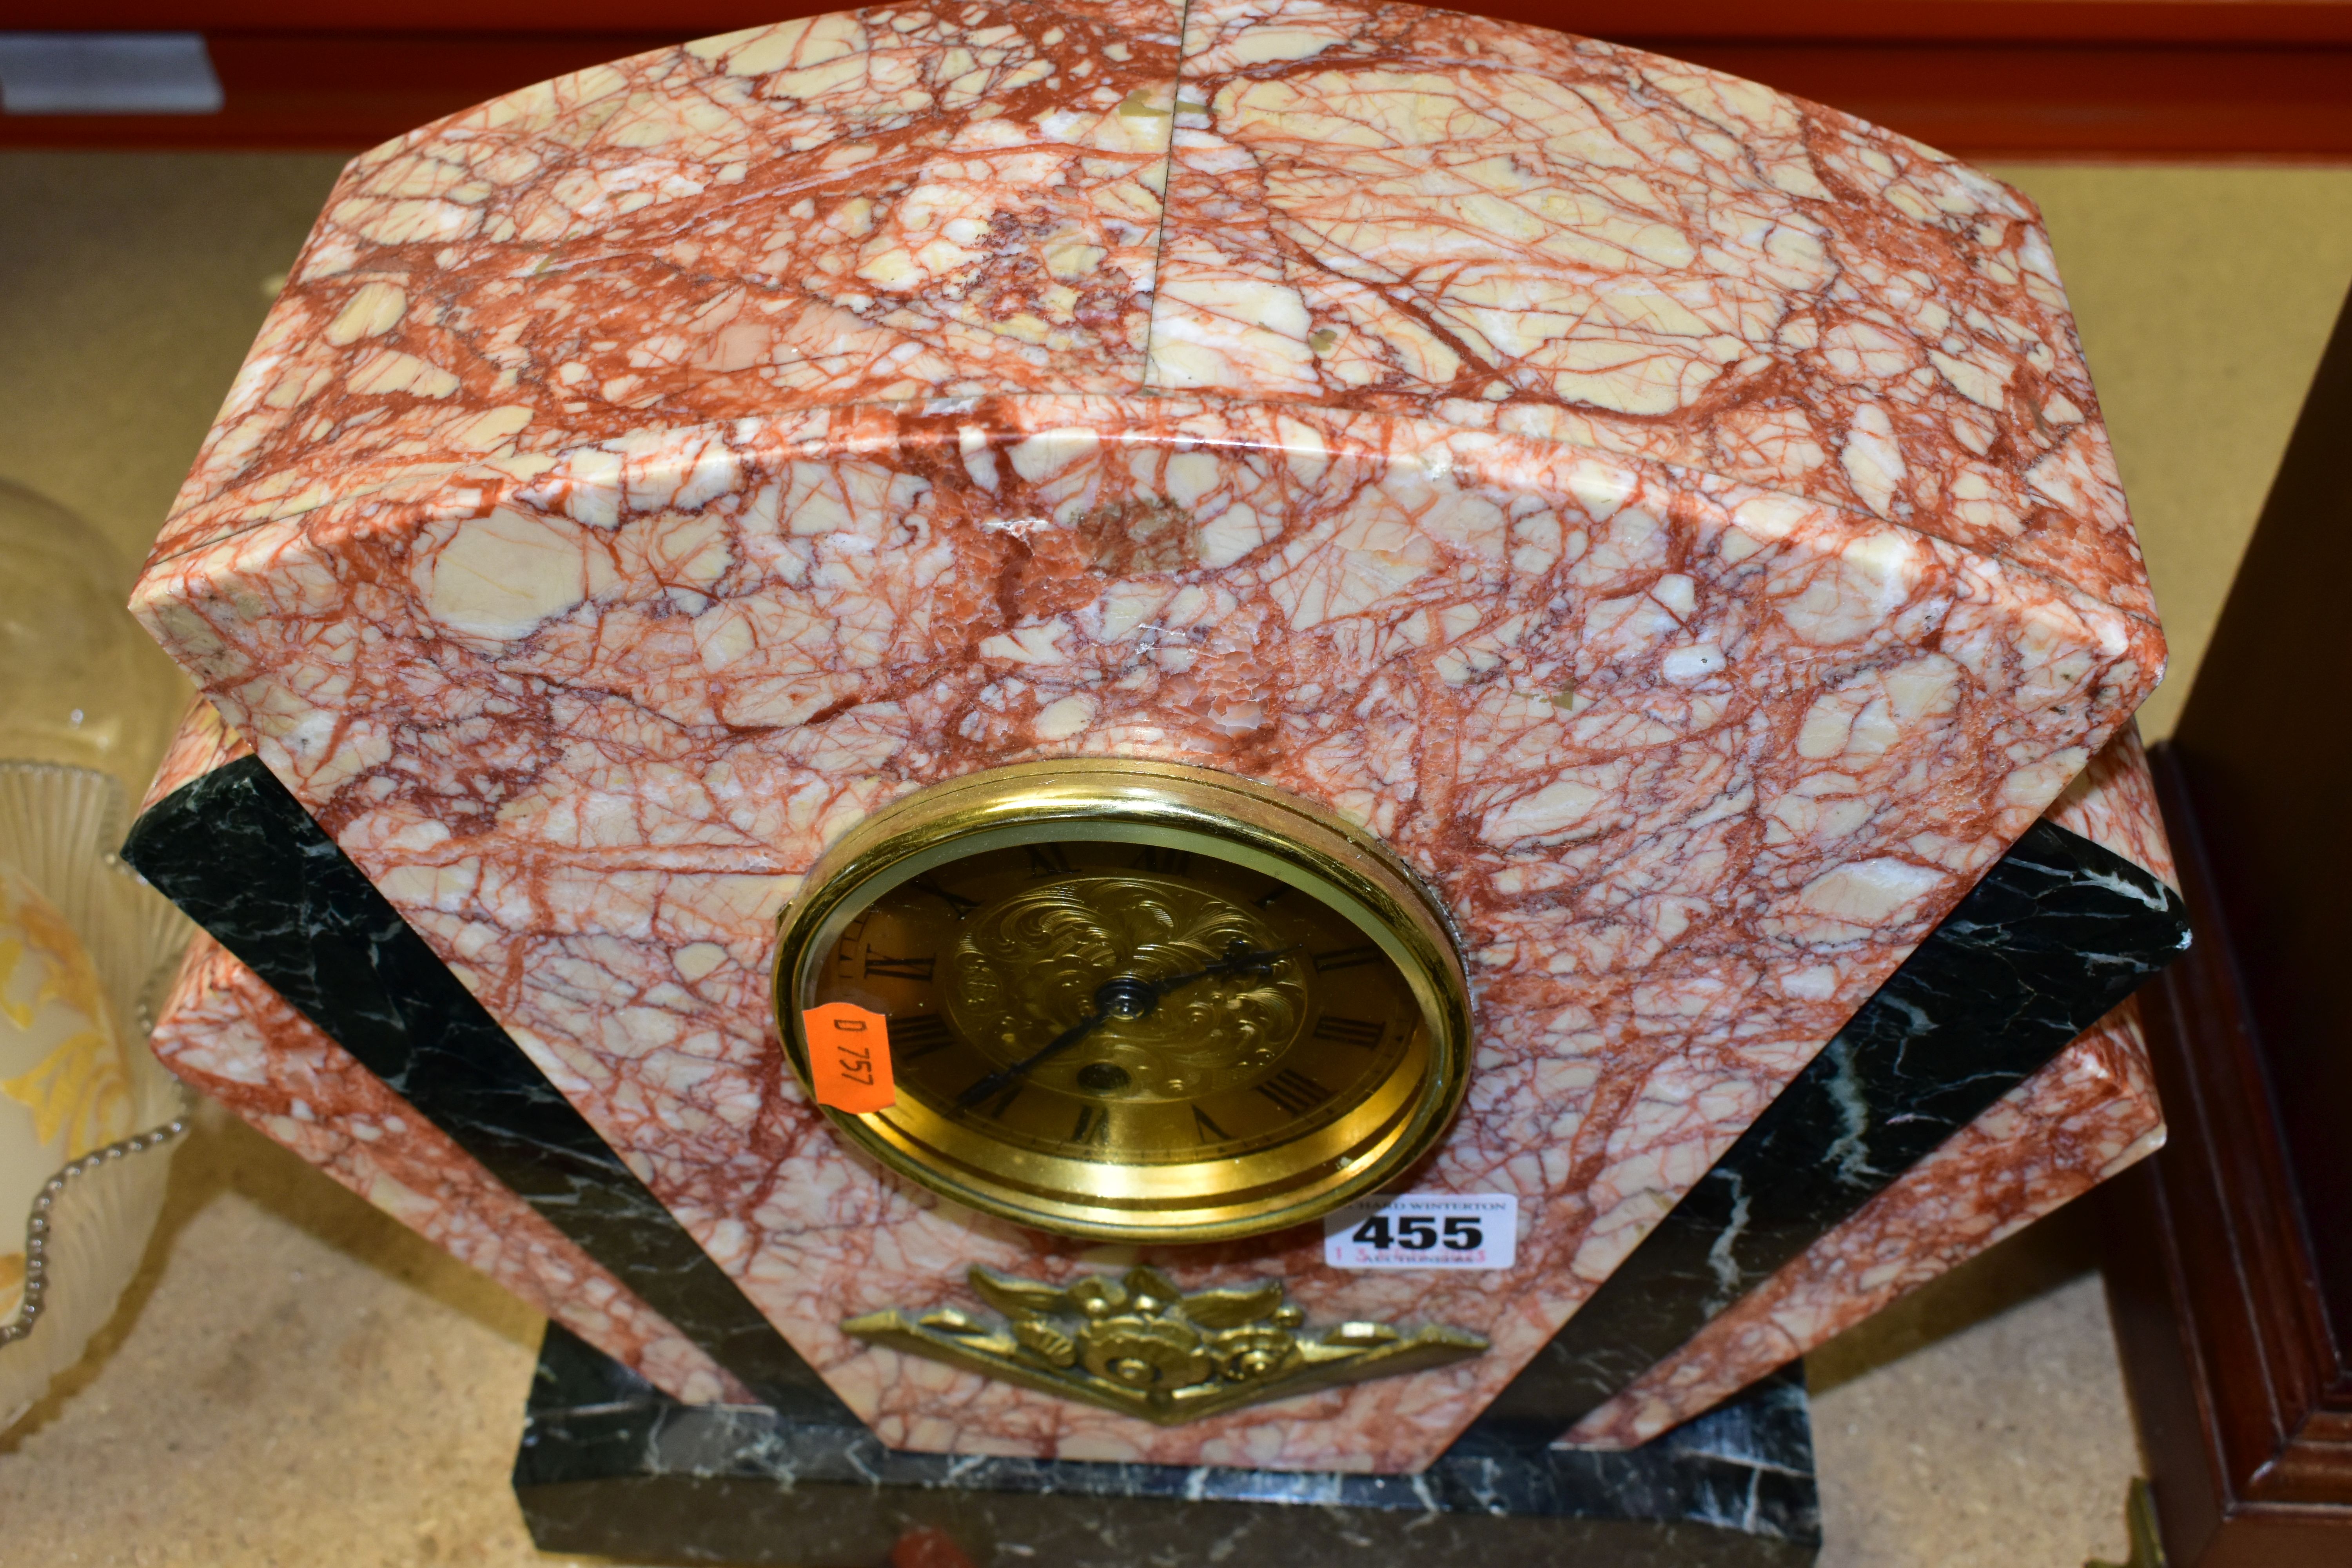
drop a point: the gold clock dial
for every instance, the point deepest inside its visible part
(1134, 1000)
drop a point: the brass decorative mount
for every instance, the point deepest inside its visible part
(1140, 1346)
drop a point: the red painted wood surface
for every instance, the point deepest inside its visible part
(1933, 21)
(2161, 78)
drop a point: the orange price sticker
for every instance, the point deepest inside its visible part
(849, 1057)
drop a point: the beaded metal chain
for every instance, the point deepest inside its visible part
(37, 1228)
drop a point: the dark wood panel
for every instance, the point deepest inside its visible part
(2275, 818)
(2210, 1272)
(2232, 1266)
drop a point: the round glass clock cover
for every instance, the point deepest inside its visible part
(1134, 1000)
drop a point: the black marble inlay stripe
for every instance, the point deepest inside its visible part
(2054, 936)
(610, 1466)
(240, 856)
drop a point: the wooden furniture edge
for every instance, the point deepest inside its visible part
(2210, 1275)
(2181, 79)
(2231, 1271)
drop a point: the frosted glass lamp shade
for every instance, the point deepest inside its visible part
(86, 1114)
(79, 682)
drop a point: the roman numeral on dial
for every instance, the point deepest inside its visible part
(1360, 1032)
(882, 967)
(1093, 1128)
(996, 1108)
(918, 1035)
(1345, 958)
(1207, 1132)
(1048, 860)
(955, 902)
(1294, 1091)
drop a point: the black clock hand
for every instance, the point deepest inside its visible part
(1123, 996)
(1260, 958)
(1005, 1076)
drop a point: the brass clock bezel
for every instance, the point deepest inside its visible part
(1173, 805)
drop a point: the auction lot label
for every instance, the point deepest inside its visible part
(1424, 1230)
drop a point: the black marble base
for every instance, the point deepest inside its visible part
(611, 1466)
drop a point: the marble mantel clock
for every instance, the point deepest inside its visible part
(1104, 753)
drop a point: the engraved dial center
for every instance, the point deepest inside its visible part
(1141, 986)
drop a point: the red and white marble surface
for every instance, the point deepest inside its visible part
(2112, 803)
(1674, 515)
(200, 744)
(2091, 1113)
(225, 1032)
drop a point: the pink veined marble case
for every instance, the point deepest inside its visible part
(1674, 516)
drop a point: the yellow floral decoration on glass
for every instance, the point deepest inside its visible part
(60, 1057)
